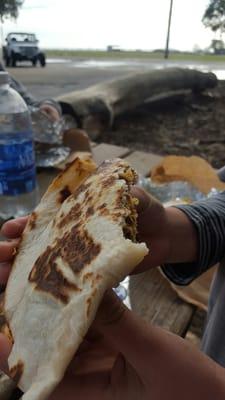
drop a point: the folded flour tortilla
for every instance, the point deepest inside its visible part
(79, 241)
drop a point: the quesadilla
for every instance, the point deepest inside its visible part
(79, 242)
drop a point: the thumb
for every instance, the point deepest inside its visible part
(150, 211)
(125, 331)
(5, 348)
(143, 197)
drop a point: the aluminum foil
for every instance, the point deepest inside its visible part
(174, 192)
(51, 156)
(45, 130)
(122, 291)
(48, 137)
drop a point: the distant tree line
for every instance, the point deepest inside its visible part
(9, 8)
(214, 18)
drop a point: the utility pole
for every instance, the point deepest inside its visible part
(2, 38)
(166, 55)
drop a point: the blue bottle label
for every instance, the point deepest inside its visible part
(17, 168)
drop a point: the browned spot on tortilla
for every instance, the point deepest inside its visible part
(82, 188)
(88, 276)
(77, 249)
(4, 327)
(96, 279)
(109, 181)
(80, 166)
(120, 198)
(90, 211)
(117, 217)
(102, 206)
(63, 194)
(104, 212)
(47, 276)
(72, 215)
(88, 199)
(32, 220)
(89, 302)
(88, 196)
(16, 372)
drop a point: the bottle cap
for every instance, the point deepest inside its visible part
(4, 77)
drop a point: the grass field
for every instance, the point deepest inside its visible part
(87, 54)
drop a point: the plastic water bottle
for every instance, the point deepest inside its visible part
(18, 188)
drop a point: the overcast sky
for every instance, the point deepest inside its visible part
(130, 24)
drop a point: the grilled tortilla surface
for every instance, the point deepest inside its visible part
(79, 241)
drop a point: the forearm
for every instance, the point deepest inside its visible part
(182, 371)
(170, 368)
(182, 236)
(196, 235)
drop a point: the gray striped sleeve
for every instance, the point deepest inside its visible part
(208, 217)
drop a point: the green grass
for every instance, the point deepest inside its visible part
(98, 54)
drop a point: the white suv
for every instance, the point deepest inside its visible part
(22, 47)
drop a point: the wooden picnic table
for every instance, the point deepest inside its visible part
(151, 295)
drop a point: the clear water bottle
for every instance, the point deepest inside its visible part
(18, 188)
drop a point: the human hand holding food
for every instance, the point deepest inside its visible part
(168, 232)
(12, 231)
(124, 358)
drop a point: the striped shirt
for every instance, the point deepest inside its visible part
(208, 217)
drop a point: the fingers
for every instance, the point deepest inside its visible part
(150, 212)
(90, 386)
(14, 228)
(5, 269)
(11, 230)
(5, 348)
(127, 333)
(94, 354)
(8, 250)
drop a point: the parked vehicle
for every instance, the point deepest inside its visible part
(22, 47)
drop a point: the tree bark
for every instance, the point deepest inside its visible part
(96, 107)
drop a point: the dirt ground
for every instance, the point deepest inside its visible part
(186, 125)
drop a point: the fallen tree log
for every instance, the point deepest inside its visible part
(96, 107)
